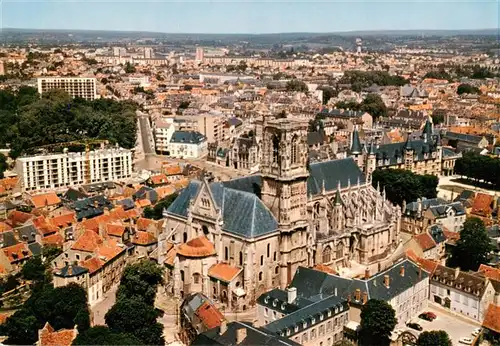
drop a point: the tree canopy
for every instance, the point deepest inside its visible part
(364, 79)
(434, 338)
(402, 185)
(438, 74)
(46, 305)
(372, 104)
(296, 85)
(102, 335)
(33, 269)
(473, 247)
(465, 88)
(156, 212)
(479, 167)
(28, 121)
(378, 320)
(3, 165)
(139, 281)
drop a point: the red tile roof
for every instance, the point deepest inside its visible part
(223, 271)
(88, 241)
(3, 318)
(4, 227)
(142, 203)
(53, 239)
(197, 247)
(109, 250)
(425, 241)
(159, 179)
(170, 258)
(325, 269)
(143, 223)
(17, 252)
(173, 170)
(492, 318)
(210, 316)
(17, 218)
(489, 272)
(92, 264)
(118, 213)
(451, 235)
(46, 199)
(63, 220)
(43, 226)
(143, 238)
(115, 230)
(63, 337)
(482, 204)
(164, 191)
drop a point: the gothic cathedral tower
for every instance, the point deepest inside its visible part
(284, 189)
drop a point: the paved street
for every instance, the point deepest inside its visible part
(455, 325)
(99, 310)
(146, 135)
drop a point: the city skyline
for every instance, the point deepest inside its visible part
(252, 17)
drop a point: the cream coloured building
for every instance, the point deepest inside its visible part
(75, 86)
(264, 227)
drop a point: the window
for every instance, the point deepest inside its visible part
(214, 290)
(448, 292)
(184, 237)
(276, 148)
(266, 311)
(205, 230)
(274, 256)
(226, 253)
(465, 301)
(276, 270)
(313, 334)
(196, 278)
(295, 145)
(268, 250)
(327, 254)
(261, 260)
(77, 257)
(340, 250)
(329, 326)
(182, 275)
(241, 258)
(260, 276)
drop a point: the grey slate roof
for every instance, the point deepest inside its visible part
(333, 172)
(255, 336)
(70, 271)
(127, 203)
(437, 206)
(393, 151)
(73, 195)
(473, 139)
(8, 238)
(146, 192)
(35, 248)
(243, 213)
(193, 137)
(90, 207)
(27, 233)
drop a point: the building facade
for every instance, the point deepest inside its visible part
(264, 227)
(187, 144)
(59, 171)
(75, 86)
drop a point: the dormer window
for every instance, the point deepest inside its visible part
(288, 332)
(329, 313)
(341, 308)
(304, 325)
(313, 320)
(275, 302)
(296, 329)
(266, 299)
(336, 310)
(321, 317)
(283, 306)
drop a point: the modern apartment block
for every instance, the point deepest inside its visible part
(209, 125)
(58, 171)
(75, 86)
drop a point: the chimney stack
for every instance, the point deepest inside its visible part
(223, 326)
(241, 334)
(292, 294)
(402, 271)
(357, 295)
(386, 280)
(365, 297)
(367, 273)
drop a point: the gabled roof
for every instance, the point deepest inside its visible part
(17, 252)
(46, 199)
(492, 318)
(224, 272)
(70, 270)
(343, 171)
(17, 218)
(191, 137)
(62, 337)
(89, 241)
(425, 241)
(143, 238)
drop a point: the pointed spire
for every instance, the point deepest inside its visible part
(427, 131)
(338, 198)
(356, 143)
(408, 141)
(372, 149)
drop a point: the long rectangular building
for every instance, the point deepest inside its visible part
(75, 86)
(58, 171)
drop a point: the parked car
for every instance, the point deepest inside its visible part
(425, 316)
(415, 326)
(476, 332)
(431, 314)
(466, 341)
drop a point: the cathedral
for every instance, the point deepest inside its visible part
(237, 239)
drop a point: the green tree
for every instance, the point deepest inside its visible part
(373, 105)
(434, 338)
(296, 85)
(102, 335)
(438, 117)
(378, 320)
(467, 89)
(473, 247)
(3, 165)
(328, 93)
(402, 185)
(50, 252)
(129, 68)
(440, 74)
(21, 328)
(156, 212)
(140, 281)
(33, 269)
(137, 318)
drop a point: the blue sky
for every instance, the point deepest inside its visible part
(263, 16)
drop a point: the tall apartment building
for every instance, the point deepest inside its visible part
(148, 53)
(75, 86)
(58, 171)
(209, 125)
(200, 54)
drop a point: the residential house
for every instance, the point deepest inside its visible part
(241, 334)
(418, 216)
(482, 207)
(187, 144)
(461, 292)
(47, 336)
(47, 201)
(144, 242)
(198, 315)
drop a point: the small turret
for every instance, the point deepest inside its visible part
(356, 143)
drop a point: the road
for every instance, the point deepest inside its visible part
(146, 135)
(99, 310)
